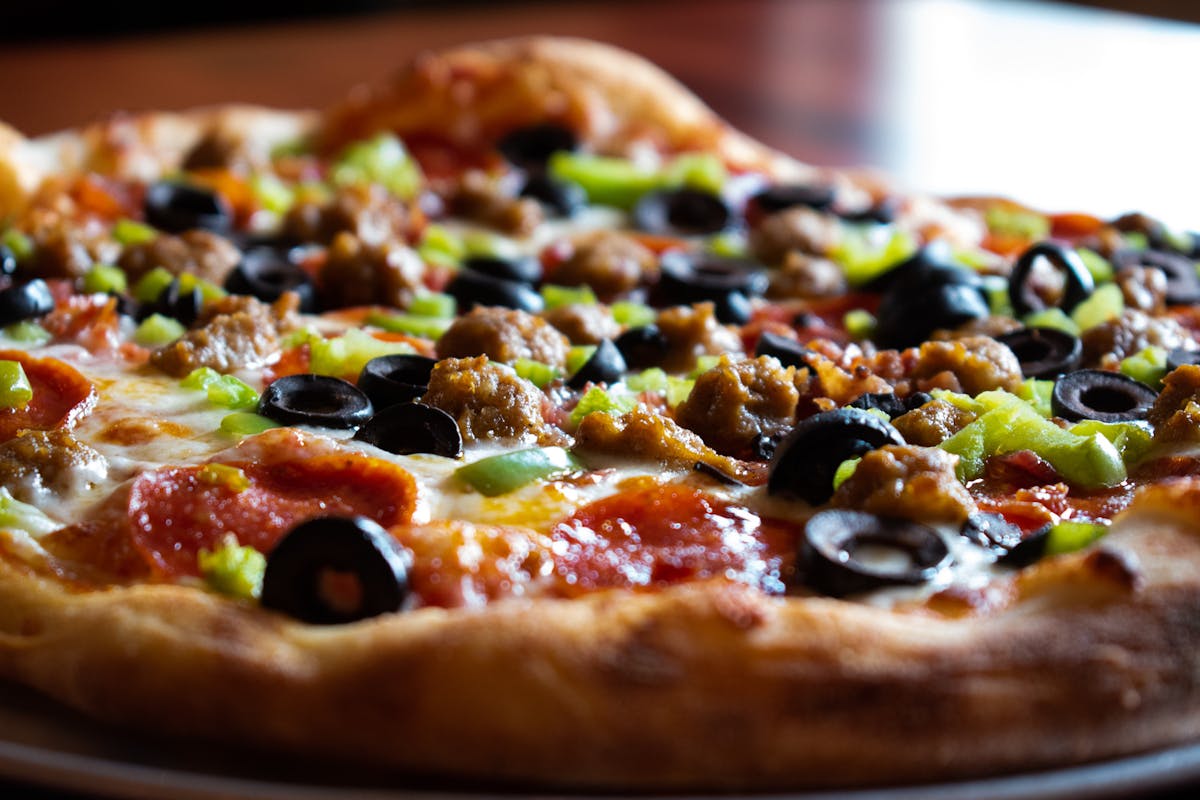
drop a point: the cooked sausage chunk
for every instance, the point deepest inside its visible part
(367, 211)
(1143, 288)
(1175, 415)
(693, 331)
(932, 423)
(246, 336)
(202, 253)
(916, 483)
(356, 273)
(975, 364)
(503, 334)
(795, 229)
(736, 401)
(481, 198)
(1127, 334)
(489, 401)
(35, 461)
(644, 434)
(583, 323)
(803, 275)
(608, 261)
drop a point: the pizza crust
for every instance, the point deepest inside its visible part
(713, 686)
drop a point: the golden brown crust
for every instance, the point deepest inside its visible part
(705, 686)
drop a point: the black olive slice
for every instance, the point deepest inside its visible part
(763, 446)
(818, 197)
(643, 347)
(1043, 352)
(1183, 285)
(562, 198)
(891, 404)
(178, 207)
(8, 261)
(393, 379)
(23, 301)
(531, 147)
(728, 283)
(522, 269)
(992, 531)
(807, 458)
(605, 366)
(317, 558)
(411, 428)
(704, 468)
(926, 292)
(1181, 356)
(1078, 284)
(681, 212)
(1100, 395)
(882, 213)
(848, 552)
(174, 302)
(1028, 550)
(470, 288)
(318, 400)
(789, 351)
(266, 273)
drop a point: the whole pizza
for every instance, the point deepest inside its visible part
(519, 421)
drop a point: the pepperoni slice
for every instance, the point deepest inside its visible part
(177, 511)
(658, 535)
(60, 396)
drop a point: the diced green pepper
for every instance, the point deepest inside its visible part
(1070, 535)
(1052, 317)
(558, 296)
(862, 256)
(15, 389)
(506, 472)
(348, 354)
(381, 159)
(1085, 461)
(225, 476)
(1106, 303)
(18, 243)
(152, 284)
(539, 374)
(654, 379)
(1098, 265)
(130, 232)
(104, 279)
(607, 401)
(27, 332)
(608, 181)
(1017, 222)
(223, 390)
(233, 569)
(157, 330)
(578, 355)
(702, 171)
(631, 314)
(441, 247)
(18, 516)
(433, 304)
(704, 364)
(488, 244)
(729, 244)
(844, 471)
(1133, 440)
(1037, 393)
(246, 423)
(411, 324)
(859, 323)
(271, 193)
(1148, 365)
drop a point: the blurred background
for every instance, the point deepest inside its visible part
(1085, 106)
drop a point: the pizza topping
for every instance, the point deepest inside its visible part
(736, 402)
(795, 230)
(59, 396)
(611, 262)
(925, 294)
(396, 378)
(1022, 283)
(693, 331)
(932, 423)
(585, 323)
(489, 401)
(201, 253)
(817, 196)
(266, 273)
(1175, 414)
(235, 333)
(22, 301)
(641, 434)
(891, 404)
(699, 278)
(481, 198)
(657, 535)
(531, 147)
(1128, 333)
(909, 482)
(37, 461)
(1043, 352)
(177, 207)
(559, 198)
(15, 391)
(507, 472)
(523, 269)
(1101, 395)
(365, 210)
(470, 289)
(1182, 283)
(175, 302)
(972, 364)
(643, 347)
(335, 570)
(233, 569)
(807, 459)
(319, 400)
(503, 334)
(681, 212)
(409, 428)
(604, 365)
(358, 273)
(850, 552)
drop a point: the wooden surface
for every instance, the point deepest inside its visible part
(935, 89)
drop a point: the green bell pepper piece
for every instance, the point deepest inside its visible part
(506, 472)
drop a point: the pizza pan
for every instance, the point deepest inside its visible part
(46, 745)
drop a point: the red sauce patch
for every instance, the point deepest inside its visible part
(174, 512)
(60, 396)
(659, 535)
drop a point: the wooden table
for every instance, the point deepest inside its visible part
(1062, 106)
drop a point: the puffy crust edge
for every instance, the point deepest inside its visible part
(697, 687)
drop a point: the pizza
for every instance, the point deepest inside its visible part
(518, 421)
